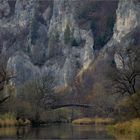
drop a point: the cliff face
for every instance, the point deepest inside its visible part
(127, 21)
(39, 43)
(64, 30)
(40, 39)
(127, 27)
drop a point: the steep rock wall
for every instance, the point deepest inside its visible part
(29, 41)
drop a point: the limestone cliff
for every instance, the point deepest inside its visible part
(126, 30)
(127, 20)
(41, 39)
(35, 41)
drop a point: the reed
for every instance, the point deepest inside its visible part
(8, 119)
(93, 121)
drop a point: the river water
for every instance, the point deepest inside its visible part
(56, 132)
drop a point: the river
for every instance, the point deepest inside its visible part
(56, 132)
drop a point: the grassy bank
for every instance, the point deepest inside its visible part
(10, 120)
(131, 127)
(93, 121)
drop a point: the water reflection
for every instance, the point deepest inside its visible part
(63, 131)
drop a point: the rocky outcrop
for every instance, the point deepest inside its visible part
(22, 67)
(125, 31)
(4, 8)
(127, 21)
(43, 43)
(38, 42)
(74, 59)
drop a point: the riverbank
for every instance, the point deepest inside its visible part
(131, 127)
(93, 121)
(7, 120)
(10, 120)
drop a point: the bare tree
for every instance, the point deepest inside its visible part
(40, 94)
(5, 76)
(126, 78)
